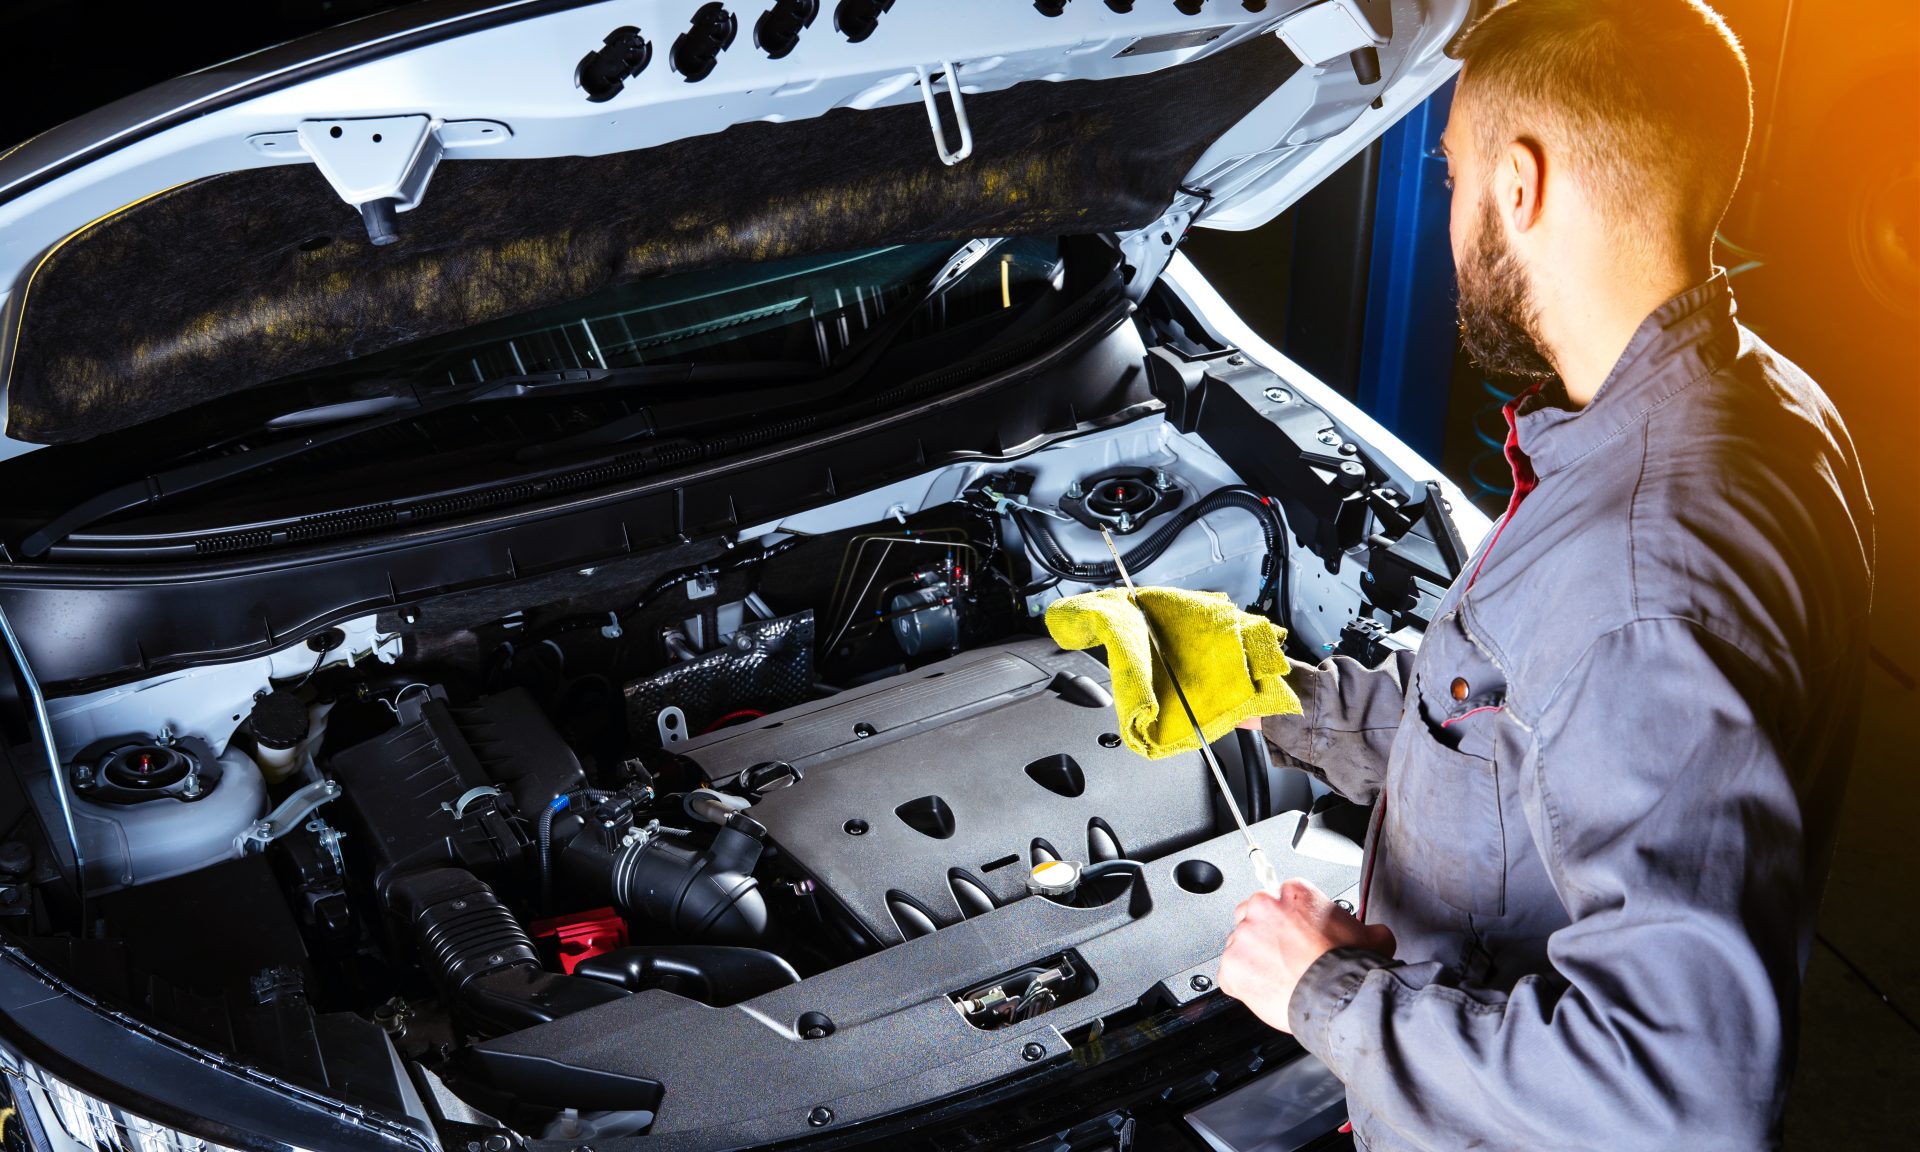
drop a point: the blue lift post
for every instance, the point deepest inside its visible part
(1407, 346)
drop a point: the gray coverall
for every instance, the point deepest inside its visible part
(1605, 786)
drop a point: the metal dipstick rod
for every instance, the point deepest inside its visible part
(1263, 870)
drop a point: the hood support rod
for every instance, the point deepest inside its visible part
(30, 685)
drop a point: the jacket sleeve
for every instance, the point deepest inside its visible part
(1656, 792)
(1348, 714)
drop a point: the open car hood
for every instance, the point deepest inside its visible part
(450, 164)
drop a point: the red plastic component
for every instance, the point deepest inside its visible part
(580, 936)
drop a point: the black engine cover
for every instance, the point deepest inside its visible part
(925, 795)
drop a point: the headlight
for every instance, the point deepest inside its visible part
(57, 1117)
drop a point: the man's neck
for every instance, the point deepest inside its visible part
(1589, 330)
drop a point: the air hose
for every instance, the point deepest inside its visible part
(1046, 549)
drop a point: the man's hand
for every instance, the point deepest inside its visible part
(1275, 941)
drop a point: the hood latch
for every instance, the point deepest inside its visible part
(948, 156)
(380, 165)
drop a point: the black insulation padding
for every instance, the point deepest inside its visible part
(259, 256)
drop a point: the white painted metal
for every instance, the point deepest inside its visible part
(1326, 32)
(208, 702)
(522, 74)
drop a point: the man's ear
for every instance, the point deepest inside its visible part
(1521, 184)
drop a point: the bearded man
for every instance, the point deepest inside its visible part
(1604, 790)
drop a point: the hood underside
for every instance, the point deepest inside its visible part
(256, 275)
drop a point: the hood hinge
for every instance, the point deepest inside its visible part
(1148, 250)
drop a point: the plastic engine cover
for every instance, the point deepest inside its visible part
(935, 786)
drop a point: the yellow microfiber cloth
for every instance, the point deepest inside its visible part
(1228, 661)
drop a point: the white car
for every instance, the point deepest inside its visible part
(525, 539)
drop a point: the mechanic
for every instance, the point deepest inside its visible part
(1604, 791)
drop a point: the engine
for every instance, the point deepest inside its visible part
(707, 778)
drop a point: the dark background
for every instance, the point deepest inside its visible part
(1824, 238)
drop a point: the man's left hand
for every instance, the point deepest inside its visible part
(1275, 941)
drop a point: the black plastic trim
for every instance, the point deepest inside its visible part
(130, 1065)
(93, 626)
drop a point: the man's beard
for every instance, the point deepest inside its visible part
(1499, 323)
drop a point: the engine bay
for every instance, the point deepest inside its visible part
(815, 810)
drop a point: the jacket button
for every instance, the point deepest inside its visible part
(1460, 688)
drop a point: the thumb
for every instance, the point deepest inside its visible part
(1378, 938)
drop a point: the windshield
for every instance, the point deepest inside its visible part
(803, 312)
(711, 346)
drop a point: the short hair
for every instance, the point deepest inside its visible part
(1650, 100)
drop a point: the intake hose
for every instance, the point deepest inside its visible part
(1273, 527)
(479, 956)
(705, 896)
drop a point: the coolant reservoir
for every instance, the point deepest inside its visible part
(279, 723)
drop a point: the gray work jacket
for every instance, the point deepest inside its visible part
(1605, 786)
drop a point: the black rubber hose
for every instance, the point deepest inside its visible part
(1253, 760)
(1273, 525)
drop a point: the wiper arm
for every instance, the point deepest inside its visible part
(348, 419)
(676, 416)
(171, 482)
(567, 382)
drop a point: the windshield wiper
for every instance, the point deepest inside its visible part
(850, 369)
(541, 385)
(333, 423)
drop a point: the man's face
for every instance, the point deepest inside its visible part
(1499, 320)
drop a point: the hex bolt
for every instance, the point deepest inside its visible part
(1236, 360)
(1277, 395)
(1200, 983)
(1330, 437)
(1033, 1052)
(820, 1117)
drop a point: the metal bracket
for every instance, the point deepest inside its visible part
(949, 157)
(459, 807)
(289, 815)
(380, 165)
(672, 725)
(1330, 31)
(1148, 250)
